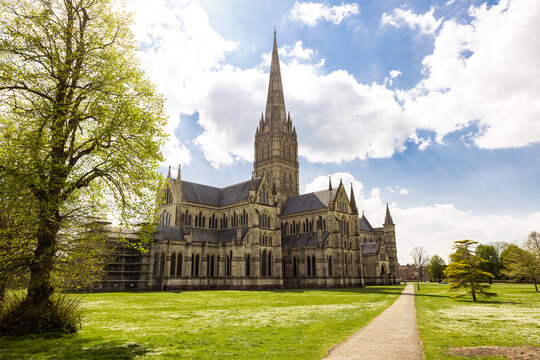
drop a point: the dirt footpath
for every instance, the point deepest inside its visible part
(391, 335)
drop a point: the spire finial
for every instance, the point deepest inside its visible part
(169, 174)
(329, 182)
(388, 218)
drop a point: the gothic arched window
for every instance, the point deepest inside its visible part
(330, 265)
(173, 264)
(263, 263)
(270, 263)
(197, 265)
(179, 265)
(162, 264)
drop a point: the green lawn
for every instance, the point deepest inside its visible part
(297, 324)
(510, 319)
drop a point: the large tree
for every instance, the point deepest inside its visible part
(436, 268)
(464, 270)
(80, 125)
(492, 264)
(420, 260)
(532, 244)
(520, 264)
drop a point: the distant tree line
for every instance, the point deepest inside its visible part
(497, 261)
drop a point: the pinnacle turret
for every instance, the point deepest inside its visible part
(388, 219)
(354, 209)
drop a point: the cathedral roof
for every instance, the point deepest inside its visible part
(216, 236)
(169, 232)
(307, 202)
(302, 239)
(370, 248)
(364, 224)
(209, 195)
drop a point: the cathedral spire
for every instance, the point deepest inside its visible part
(353, 202)
(275, 103)
(388, 219)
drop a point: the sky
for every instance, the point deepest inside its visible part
(430, 106)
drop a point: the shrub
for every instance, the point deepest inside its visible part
(63, 314)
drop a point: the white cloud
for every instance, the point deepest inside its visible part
(394, 73)
(175, 153)
(436, 226)
(426, 23)
(297, 51)
(403, 191)
(179, 51)
(482, 71)
(479, 71)
(310, 13)
(455, 92)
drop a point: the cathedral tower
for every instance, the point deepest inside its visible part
(276, 144)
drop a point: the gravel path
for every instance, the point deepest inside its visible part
(391, 335)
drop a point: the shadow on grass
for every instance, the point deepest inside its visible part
(491, 302)
(367, 290)
(68, 347)
(467, 299)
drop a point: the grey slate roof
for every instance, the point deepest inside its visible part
(169, 232)
(369, 248)
(215, 236)
(209, 195)
(302, 239)
(364, 224)
(307, 202)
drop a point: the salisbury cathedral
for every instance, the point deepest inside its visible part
(261, 233)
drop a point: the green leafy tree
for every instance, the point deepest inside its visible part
(80, 125)
(493, 263)
(464, 271)
(17, 236)
(521, 265)
(436, 268)
(505, 255)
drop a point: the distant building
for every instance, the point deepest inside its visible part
(261, 233)
(407, 273)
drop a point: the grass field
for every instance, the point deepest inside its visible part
(510, 319)
(296, 324)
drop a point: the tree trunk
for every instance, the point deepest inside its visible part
(535, 285)
(39, 287)
(472, 291)
(418, 285)
(3, 287)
